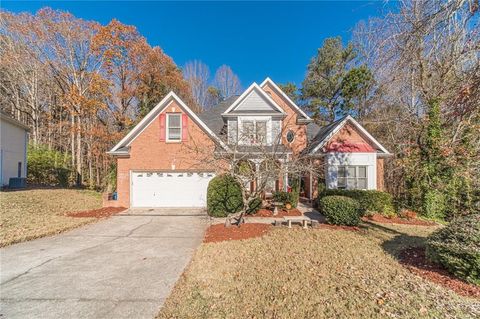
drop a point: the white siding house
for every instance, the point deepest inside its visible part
(13, 149)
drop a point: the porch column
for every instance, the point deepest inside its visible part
(285, 175)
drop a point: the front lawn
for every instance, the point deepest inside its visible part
(33, 213)
(321, 273)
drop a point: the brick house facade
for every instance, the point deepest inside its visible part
(159, 163)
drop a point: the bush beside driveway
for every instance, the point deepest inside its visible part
(33, 213)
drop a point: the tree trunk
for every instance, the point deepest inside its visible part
(72, 139)
(79, 154)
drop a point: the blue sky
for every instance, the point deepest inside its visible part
(257, 39)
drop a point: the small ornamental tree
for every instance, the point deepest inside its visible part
(256, 167)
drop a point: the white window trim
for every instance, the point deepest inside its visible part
(254, 119)
(294, 135)
(167, 135)
(355, 178)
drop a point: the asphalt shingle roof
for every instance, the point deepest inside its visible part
(213, 116)
(321, 134)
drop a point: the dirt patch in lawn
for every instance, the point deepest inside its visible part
(281, 213)
(97, 213)
(397, 220)
(415, 260)
(219, 232)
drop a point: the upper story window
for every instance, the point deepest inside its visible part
(290, 136)
(254, 132)
(174, 127)
(352, 177)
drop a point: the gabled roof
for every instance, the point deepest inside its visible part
(328, 131)
(122, 147)
(254, 88)
(285, 96)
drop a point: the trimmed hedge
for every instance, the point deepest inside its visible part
(340, 210)
(286, 197)
(224, 196)
(457, 248)
(369, 200)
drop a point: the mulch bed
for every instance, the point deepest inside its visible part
(97, 213)
(414, 259)
(281, 213)
(219, 232)
(397, 220)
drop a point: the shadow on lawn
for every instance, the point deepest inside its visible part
(400, 240)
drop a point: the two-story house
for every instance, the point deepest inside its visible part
(165, 160)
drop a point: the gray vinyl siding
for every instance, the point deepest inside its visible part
(276, 131)
(254, 102)
(232, 132)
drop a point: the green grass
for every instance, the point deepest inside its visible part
(34, 213)
(296, 273)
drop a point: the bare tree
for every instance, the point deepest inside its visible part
(197, 74)
(227, 82)
(426, 52)
(256, 161)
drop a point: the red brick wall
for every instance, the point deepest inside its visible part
(318, 164)
(380, 174)
(149, 153)
(289, 123)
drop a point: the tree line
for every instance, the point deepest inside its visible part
(209, 93)
(80, 85)
(412, 77)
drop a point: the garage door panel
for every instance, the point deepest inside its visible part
(170, 189)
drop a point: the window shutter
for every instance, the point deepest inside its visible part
(184, 127)
(162, 127)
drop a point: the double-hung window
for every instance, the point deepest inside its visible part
(254, 132)
(174, 127)
(261, 132)
(352, 177)
(248, 132)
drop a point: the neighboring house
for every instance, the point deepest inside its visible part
(13, 148)
(159, 163)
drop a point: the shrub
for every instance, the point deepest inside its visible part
(457, 248)
(224, 196)
(434, 205)
(254, 206)
(286, 197)
(369, 200)
(340, 210)
(48, 167)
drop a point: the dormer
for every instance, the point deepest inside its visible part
(254, 118)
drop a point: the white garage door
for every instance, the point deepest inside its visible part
(170, 189)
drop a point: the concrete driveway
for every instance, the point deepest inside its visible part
(122, 267)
